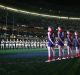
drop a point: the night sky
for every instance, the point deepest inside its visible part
(59, 7)
(63, 4)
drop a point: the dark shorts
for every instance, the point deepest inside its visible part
(70, 45)
(60, 43)
(50, 44)
(77, 46)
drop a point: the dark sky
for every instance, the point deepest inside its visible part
(72, 5)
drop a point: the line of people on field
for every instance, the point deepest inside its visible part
(12, 43)
(70, 43)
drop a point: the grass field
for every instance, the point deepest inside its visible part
(36, 65)
(63, 67)
(22, 50)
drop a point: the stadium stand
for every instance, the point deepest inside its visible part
(20, 27)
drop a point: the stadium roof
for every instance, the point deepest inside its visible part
(37, 14)
(62, 6)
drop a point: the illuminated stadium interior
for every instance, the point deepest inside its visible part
(25, 23)
(28, 47)
(17, 22)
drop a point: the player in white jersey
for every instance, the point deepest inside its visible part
(2, 44)
(40, 43)
(10, 43)
(44, 44)
(22, 43)
(26, 44)
(13, 43)
(17, 43)
(7, 43)
(29, 43)
(34, 43)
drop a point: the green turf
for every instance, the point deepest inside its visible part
(13, 51)
(22, 50)
(34, 66)
(63, 67)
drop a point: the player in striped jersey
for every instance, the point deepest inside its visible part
(51, 44)
(77, 44)
(69, 45)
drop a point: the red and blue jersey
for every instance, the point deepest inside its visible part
(52, 37)
(76, 41)
(69, 40)
(61, 38)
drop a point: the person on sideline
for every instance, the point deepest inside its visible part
(76, 44)
(69, 45)
(51, 44)
(61, 43)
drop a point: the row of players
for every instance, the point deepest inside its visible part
(23, 43)
(71, 42)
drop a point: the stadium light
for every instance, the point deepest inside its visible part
(74, 18)
(8, 8)
(62, 17)
(37, 14)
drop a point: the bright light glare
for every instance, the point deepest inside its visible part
(74, 18)
(37, 14)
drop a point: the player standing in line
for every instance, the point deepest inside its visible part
(34, 43)
(10, 43)
(2, 44)
(7, 43)
(51, 44)
(26, 43)
(76, 43)
(69, 45)
(14, 43)
(20, 43)
(61, 43)
(17, 43)
(23, 43)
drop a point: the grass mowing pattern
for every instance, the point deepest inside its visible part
(37, 66)
(14, 51)
(63, 67)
